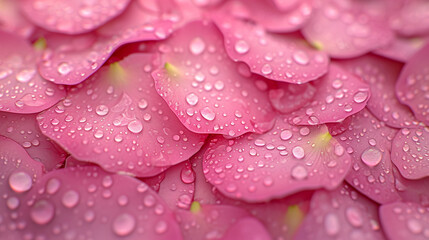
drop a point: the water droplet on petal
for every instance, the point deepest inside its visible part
(102, 110)
(52, 186)
(241, 47)
(124, 224)
(332, 224)
(70, 198)
(135, 126)
(64, 69)
(360, 96)
(354, 216)
(414, 226)
(161, 227)
(25, 75)
(298, 152)
(300, 57)
(197, 46)
(42, 212)
(20, 182)
(208, 113)
(286, 135)
(192, 99)
(299, 172)
(371, 157)
(266, 69)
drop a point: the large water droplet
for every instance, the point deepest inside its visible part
(102, 110)
(371, 157)
(192, 99)
(360, 96)
(135, 126)
(52, 186)
(20, 182)
(64, 69)
(197, 46)
(241, 47)
(124, 224)
(300, 57)
(332, 224)
(187, 175)
(25, 75)
(70, 198)
(42, 212)
(286, 135)
(208, 113)
(298, 152)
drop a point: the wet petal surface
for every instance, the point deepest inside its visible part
(285, 58)
(346, 29)
(339, 94)
(341, 214)
(285, 160)
(71, 17)
(111, 118)
(369, 142)
(410, 19)
(208, 92)
(412, 86)
(410, 152)
(22, 90)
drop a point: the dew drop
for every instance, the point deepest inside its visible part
(25, 75)
(20, 182)
(360, 96)
(332, 224)
(64, 69)
(286, 135)
(298, 152)
(208, 114)
(266, 69)
(187, 175)
(192, 99)
(299, 172)
(42, 212)
(70, 199)
(161, 227)
(354, 216)
(300, 57)
(124, 224)
(142, 103)
(371, 157)
(102, 110)
(197, 46)
(414, 226)
(135, 126)
(241, 47)
(12, 203)
(52, 186)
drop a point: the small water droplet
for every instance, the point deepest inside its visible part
(124, 224)
(143, 103)
(354, 216)
(192, 99)
(52, 186)
(70, 199)
(135, 126)
(360, 96)
(161, 227)
(12, 203)
(20, 182)
(299, 172)
(64, 69)
(332, 224)
(25, 75)
(300, 57)
(208, 114)
(298, 152)
(102, 110)
(187, 175)
(42, 212)
(197, 46)
(241, 47)
(414, 226)
(266, 69)
(286, 135)
(371, 157)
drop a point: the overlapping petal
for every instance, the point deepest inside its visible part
(341, 214)
(285, 58)
(86, 202)
(410, 18)
(381, 75)
(208, 92)
(410, 152)
(24, 129)
(287, 97)
(405, 220)
(369, 143)
(117, 120)
(285, 160)
(22, 90)
(402, 48)
(71, 17)
(339, 94)
(346, 29)
(412, 86)
(11, 19)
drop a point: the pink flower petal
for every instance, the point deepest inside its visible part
(92, 203)
(287, 97)
(405, 221)
(288, 18)
(402, 49)
(72, 17)
(24, 130)
(247, 228)
(178, 187)
(285, 5)
(18, 174)
(412, 87)
(339, 94)
(208, 92)
(369, 143)
(410, 152)
(11, 19)
(416, 190)
(285, 160)
(411, 18)
(285, 58)
(341, 214)
(209, 221)
(65, 62)
(348, 28)
(381, 75)
(111, 117)
(22, 90)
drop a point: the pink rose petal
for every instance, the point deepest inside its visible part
(412, 87)
(287, 97)
(178, 187)
(22, 90)
(339, 94)
(24, 130)
(405, 221)
(415, 190)
(11, 19)
(410, 152)
(401, 48)
(72, 17)
(285, 58)
(285, 160)
(285, 5)
(346, 29)
(18, 175)
(411, 18)
(369, 143)
(341, 214)
(247, 228)
(208, 92)
(209, 221)
(111, 118)
(287, 18)
(381, 75)
(86, 202)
